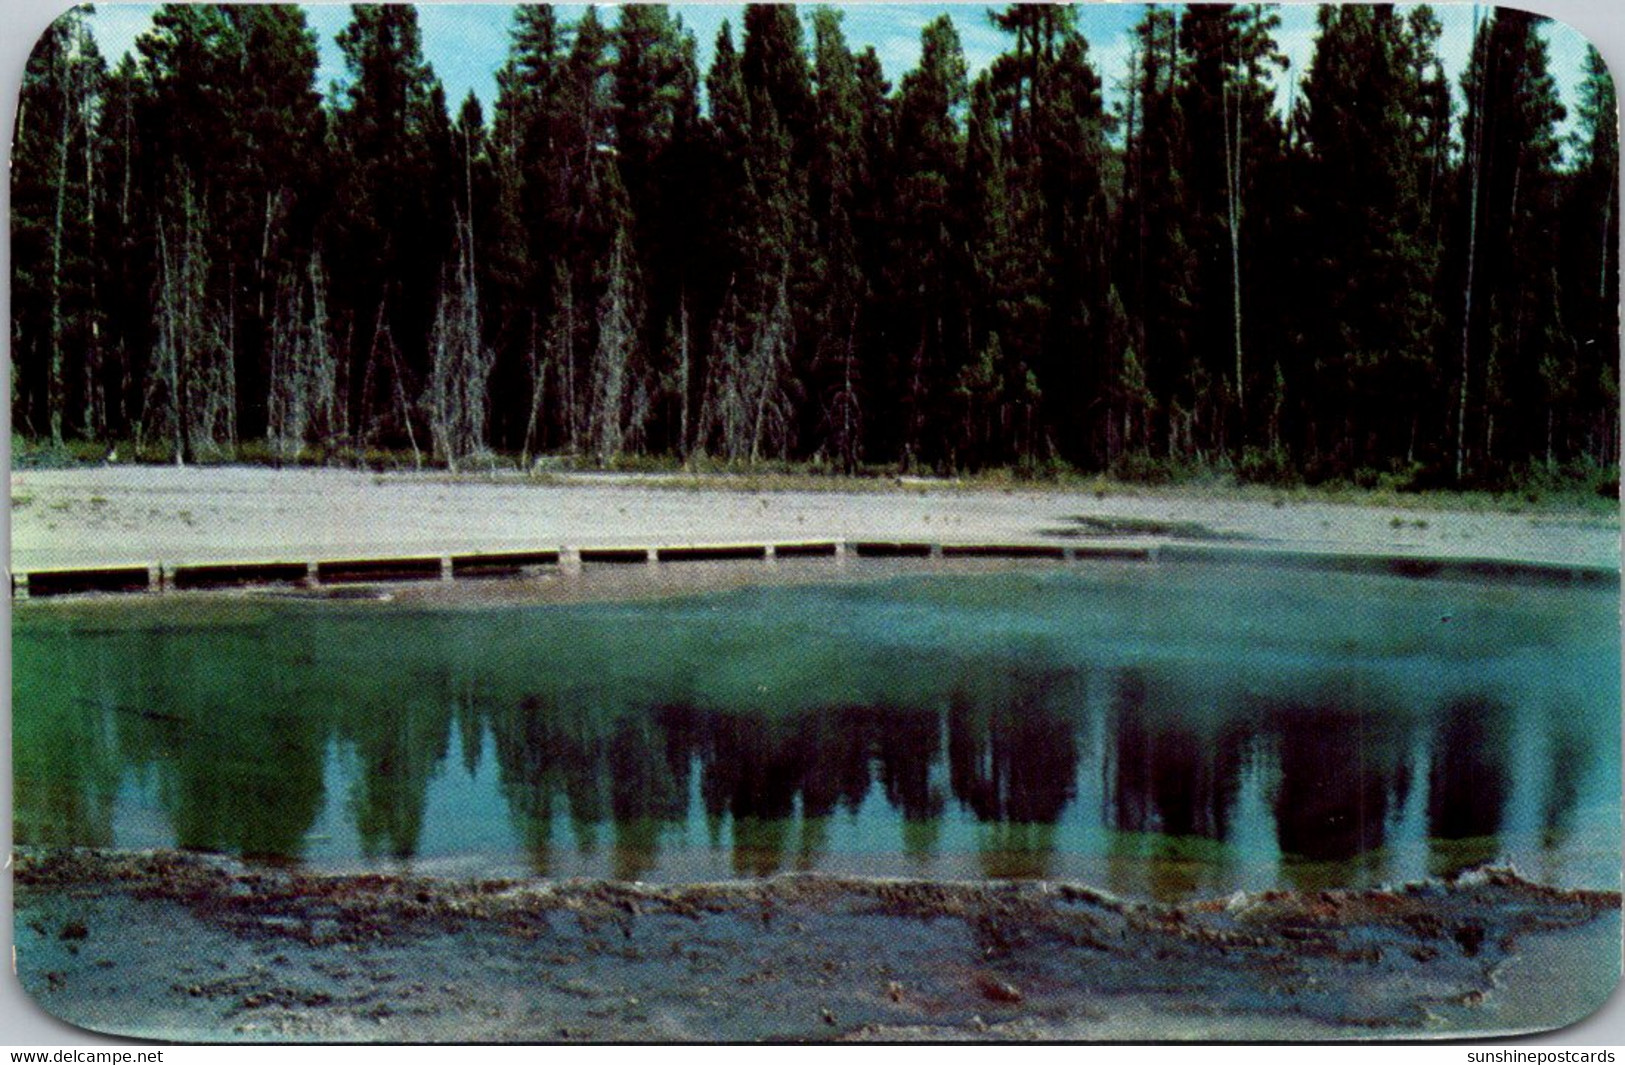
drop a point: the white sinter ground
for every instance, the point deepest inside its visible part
(143, 515)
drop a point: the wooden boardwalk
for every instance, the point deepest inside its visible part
(163, 577)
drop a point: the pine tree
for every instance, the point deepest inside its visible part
(521, 255)
(1075, 372)
(232, 135)
(278, 196)
(927, 260)
(1580, 371)
(812, 266)
(749, 400)
(774, 64)
(839, 286)
(872, 223)
(997, 419)
(656, 126)
(1508, 307)
(125, 279)
(456, 396)
(54, 188)
(779, 92)
(1226, 100)
(192, 60)
(389, 225)
(1370, 100)
(1157, 265)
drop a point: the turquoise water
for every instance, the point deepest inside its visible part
(1157, 731)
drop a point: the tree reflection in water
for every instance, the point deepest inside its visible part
(1342, 772)
(1173, 771)
(401, 745)
(772, 784)
(1468, 783)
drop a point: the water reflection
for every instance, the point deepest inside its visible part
(1343, 772)
(1162, 774)
(274, 790)
(400, 745)
(1468, 783)
(1173, 771)
(1012, 748)
(1568, 749)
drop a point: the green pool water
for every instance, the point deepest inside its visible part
(1159, 731)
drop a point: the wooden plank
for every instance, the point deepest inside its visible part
(350, 570)
(711, 552)
(821, 549)
(238, 574)
(891, 549)
(501, 564)
(1002, 551)
(614, 555)
(78, 581)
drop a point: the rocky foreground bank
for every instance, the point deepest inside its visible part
(178, 946)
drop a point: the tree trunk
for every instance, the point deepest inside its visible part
(1474, 165)
(95, 422)
(1232, 177)
(684, 370)
(538, 393)
(55, 400)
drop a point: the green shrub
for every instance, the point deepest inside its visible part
(636, 463)
(1272, 466)
(1139, 468)
(1048, 470)
(152, 451)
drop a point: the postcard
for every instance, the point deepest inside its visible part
(734, 523)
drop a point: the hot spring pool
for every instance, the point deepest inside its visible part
(1158, 731)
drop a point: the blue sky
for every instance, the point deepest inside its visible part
(465, 43)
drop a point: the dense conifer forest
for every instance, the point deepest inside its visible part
(785, 257)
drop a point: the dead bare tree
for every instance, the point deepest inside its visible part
(191, 393)
(95, 417)
(560, 360)
(536, 367)
(685, 364)
(460, 363)
(1474, 143)
(384, 415)
(303, 399)
(746, 409)
(1232, 188)
(723, 406)
(329, 414)
(843, 413)
(286, 414)
(769, 375)
(617, 337)
(73, 73)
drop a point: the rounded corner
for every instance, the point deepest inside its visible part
(1607, 1010)
(27, 1004)
(1582, 39)
(71, 11)
(1598, 1015)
